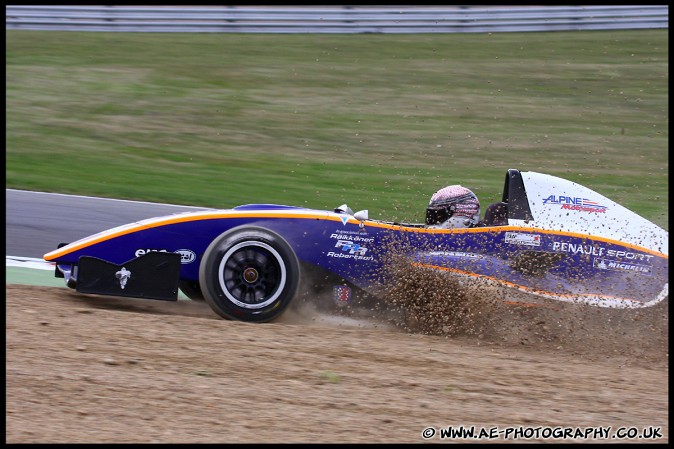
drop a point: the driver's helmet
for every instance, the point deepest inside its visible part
(453, 207)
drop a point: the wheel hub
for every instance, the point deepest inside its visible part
(250, 275)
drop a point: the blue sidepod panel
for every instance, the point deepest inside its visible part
(555, 264)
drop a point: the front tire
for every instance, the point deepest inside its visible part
(249, 273)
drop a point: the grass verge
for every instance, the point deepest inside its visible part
(377, 121)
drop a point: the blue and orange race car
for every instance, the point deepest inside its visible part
(555, 239)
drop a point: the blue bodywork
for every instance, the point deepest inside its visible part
(561, 265)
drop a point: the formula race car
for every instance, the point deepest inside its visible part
(548, 236)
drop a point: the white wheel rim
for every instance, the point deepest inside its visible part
(276, 293)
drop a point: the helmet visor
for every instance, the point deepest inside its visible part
(437, 215)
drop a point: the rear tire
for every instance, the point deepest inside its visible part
(249, 273)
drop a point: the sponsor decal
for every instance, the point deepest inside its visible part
(574, 203)
(339, 235)
(517, 238)
(341, 294)
(453, 254)
(350, 250)
(351, 247)
(361, 228)
(608, 264)
(577, 248)
(344, 218)
(142, 252)
(621, 254)
(123, 275)
(618, 255)
(186, 255)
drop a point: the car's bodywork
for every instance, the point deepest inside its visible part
(555, 239)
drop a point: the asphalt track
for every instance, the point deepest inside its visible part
(36, 222)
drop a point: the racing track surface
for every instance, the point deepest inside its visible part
(88, 369)
(37, 221)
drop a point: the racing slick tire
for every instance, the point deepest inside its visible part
(192, 290)
(250, 274)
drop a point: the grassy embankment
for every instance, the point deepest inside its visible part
(377, 121)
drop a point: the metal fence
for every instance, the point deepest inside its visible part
(334, 19)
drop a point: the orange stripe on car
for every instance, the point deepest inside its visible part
(192, 216)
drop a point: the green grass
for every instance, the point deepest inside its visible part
(377, 121)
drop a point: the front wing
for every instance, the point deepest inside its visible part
(154, 275)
